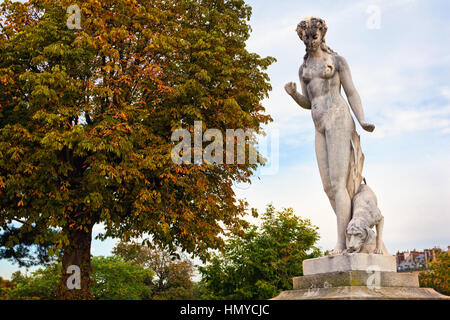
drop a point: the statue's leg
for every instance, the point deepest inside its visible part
(338, 140)
(322, 161)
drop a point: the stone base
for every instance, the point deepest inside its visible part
(357, 279)
(349, 262)
(362, 293)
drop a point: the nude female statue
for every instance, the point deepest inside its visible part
(338, 150)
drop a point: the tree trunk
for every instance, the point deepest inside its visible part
(76, 266)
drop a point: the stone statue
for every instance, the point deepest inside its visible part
(360, 266)
(338, 150)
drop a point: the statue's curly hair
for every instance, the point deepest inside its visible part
(315, 24)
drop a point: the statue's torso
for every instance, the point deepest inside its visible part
(323, 84)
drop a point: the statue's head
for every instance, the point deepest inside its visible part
(312, 32)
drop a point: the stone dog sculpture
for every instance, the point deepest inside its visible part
(322, 76)
(365, 215)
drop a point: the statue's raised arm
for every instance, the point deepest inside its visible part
(301, 99)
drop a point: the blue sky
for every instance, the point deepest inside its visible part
(401, 70)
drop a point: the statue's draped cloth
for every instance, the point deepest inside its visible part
(356, 166)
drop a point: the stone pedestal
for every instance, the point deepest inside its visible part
(349, 262)
(357, 277)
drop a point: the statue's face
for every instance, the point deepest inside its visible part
(356, 236)
(356, 241)
(312, 38)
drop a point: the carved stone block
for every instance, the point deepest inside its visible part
(349, 262)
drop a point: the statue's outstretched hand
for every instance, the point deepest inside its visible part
(368, 126)
(291, 88)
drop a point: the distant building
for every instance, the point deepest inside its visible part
(416, 260)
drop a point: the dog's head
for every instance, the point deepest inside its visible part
(358, 233)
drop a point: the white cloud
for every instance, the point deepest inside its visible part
(446, 131)
(98, 228)
(414, 120)
(445, 92)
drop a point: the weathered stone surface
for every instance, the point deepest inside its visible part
(322, 76)
(362, 293)
(357, 278)
(349, 262)
(359, 267)
(357, 284)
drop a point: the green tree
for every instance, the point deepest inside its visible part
(116, 279)
(39, 285)
(24, 251)
(113, 279)
(86, 118)
(173, 275)
(261, 263)
(438, 276)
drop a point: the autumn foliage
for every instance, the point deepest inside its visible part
(5, 286)
(86, 118)
(172, 275)
(438, 276)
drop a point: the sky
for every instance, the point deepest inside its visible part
(399, 55)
